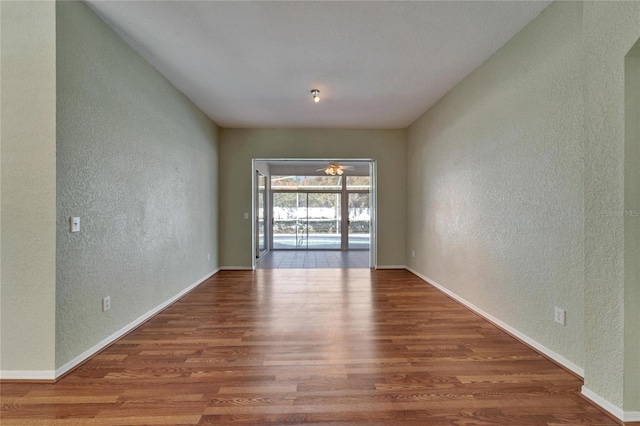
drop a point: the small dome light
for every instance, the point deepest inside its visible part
(316, 95)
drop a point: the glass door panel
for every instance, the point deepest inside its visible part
(324, 220)
(307, 220)
(359, 220)
(261, 243)
(301, 220)
(289, 220)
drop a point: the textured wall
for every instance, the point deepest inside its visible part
(137, 162)
(495, 182)
(28, 176)
(239, 146)
(632, 231)
(610, 29)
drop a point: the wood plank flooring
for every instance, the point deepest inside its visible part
(329, 346)
(313, 259)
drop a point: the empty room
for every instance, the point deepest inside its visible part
(355, 213)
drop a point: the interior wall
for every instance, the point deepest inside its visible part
(240, 146)
(632, 230)
(632, 252)
(495, 184)
(138, 163)
(27, 196)
(610, 31)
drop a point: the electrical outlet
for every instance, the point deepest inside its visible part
(106, 304)
(208, 256)
(560, 316)
(413, 253)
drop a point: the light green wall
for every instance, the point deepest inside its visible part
(28, 179)
(137, 161)
(611, 29)
(240, 146)
(632, 230)
(522, 190)
(495, 177)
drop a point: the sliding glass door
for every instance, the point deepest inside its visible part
(261, 206)
(307, 220)
(320, 212)
(359, 221)
(324, 224)
(289, 212)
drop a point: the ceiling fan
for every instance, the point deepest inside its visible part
(335, 169)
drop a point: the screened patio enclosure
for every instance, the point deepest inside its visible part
(320, 212)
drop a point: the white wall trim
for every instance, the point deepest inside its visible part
(391, 267)
(536, 345)
(236, 268)
(27, 375)
(619, 413)
(115, 336)
(631, 416)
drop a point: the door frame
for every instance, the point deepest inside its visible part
(345, 212)
(373, 201)
(256, 250)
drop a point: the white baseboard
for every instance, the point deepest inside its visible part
(115, 336)
(391, 267)
(538, 346)
(236, 268)
(624, 416)
(27, 375)
(619, 413)
(631, 416)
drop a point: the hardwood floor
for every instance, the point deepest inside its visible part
(329, 346)
(313, 259)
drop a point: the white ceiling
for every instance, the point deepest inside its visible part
(377, 64)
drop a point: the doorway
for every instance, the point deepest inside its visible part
(302, 209)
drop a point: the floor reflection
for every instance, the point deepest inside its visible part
(312, 259)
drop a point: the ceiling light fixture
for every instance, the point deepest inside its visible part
(335, 169)
(316, 95)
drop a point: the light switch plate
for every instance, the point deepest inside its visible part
(74, 222)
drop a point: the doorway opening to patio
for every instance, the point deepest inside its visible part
(314, 213)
